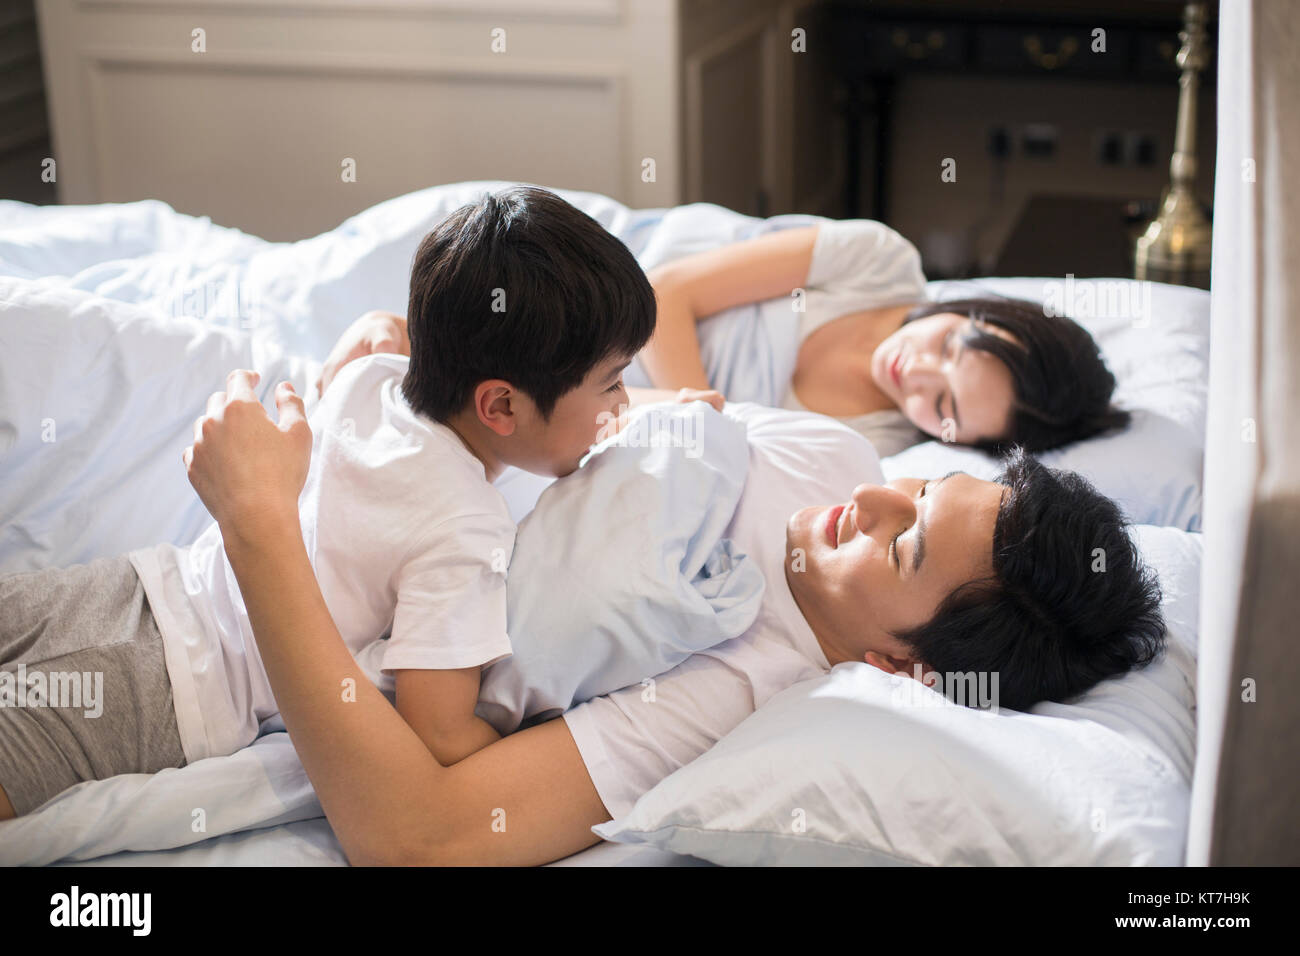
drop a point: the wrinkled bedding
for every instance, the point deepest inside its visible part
(118, 320)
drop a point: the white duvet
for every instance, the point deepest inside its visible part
(117, 321)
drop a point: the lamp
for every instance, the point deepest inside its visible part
(1175, 247)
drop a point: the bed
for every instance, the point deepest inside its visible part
(118, 314)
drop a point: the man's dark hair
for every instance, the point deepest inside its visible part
(1050, 623)
(1062, 386)
(520, 286)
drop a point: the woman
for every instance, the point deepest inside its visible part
(872, 351)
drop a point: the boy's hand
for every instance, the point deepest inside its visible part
(248, 470)
(645, 396)
(686, 395)
(373, 333)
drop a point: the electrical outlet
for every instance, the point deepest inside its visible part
(999, 142)
(1039, 140)
(1139, 148)
(1108, 147)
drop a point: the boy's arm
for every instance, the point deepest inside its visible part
(526, 799)
(439, 706)
(374, 332)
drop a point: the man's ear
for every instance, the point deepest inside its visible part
(496, 405)
(892, 665)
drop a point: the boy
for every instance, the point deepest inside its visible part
(523, 313)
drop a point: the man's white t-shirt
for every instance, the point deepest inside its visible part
(405, 534)
(633, 738)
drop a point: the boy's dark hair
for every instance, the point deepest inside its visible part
(520, 286)
(1062, 386)
(1049, 623)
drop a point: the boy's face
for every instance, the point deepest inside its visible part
(554, 446)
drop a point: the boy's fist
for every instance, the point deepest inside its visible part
(371, 334)
(685, 395)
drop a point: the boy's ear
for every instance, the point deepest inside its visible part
(496, 405)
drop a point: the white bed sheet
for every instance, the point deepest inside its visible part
(157, 270)
(312, 843)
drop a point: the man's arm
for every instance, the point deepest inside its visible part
(526, 799)
(439, 706)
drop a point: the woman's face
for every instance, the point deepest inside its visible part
(947, 390)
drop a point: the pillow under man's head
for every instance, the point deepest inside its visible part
(1032, 578)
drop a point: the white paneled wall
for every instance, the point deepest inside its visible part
(254, 130)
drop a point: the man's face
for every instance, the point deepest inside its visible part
(555, 445)
(884, 561)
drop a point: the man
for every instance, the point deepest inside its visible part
(891, 574)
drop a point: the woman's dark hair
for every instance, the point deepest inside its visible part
(520, 286)
(1062, 386)
(1069, 603)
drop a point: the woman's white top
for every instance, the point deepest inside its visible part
(861, 264)
(888, 430)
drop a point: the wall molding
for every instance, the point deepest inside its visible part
(548, 11)
(95, 63)
(355, 64)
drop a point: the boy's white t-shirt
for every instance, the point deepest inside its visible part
(631, 739)
(404, 533)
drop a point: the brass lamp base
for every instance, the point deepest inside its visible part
(1176, 245)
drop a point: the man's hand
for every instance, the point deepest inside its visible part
(248, 470)
(374, 332)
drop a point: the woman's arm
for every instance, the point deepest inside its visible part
(701, 285)
(386, 332)
(525, 799)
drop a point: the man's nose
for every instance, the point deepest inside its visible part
(875, 506)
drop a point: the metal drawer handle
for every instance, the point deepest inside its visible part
(1050, 61)
(917, 49)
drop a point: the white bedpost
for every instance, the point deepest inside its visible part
(1246, 786)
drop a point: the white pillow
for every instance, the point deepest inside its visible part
(1155, 339)
(848, 769)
